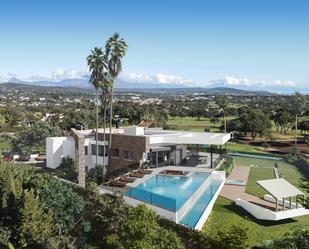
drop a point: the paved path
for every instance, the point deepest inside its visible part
(233, 192)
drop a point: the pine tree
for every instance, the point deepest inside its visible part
(36, 224)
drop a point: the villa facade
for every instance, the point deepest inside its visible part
(131, 147)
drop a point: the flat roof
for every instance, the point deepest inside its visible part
(279, 188)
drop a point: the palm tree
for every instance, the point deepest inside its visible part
(116, 48)
(298, 103)
(106, 83)
(96, 64)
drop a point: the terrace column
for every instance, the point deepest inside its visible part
(283, 203)
(291, 203)
(296, 201)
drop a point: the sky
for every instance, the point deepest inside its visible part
(187, 42)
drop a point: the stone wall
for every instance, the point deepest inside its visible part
(79, 156)
(136, 145)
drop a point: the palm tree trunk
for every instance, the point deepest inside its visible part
(110, 117)
(97, 127)
(104, 136)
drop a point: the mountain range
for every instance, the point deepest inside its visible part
(123, 85)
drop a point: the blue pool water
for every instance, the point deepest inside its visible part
(169, 192)
(195, 212)
(236, 182)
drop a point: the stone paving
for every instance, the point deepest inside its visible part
(233, 192)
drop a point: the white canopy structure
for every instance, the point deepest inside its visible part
(279, 188)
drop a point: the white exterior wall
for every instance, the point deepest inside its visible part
(266, 214)
(90, 160)
(69, 148)
(57, 148)
(134, 130)
(191, 138)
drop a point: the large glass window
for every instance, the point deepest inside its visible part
(100, 149)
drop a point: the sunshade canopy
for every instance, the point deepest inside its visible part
(279, 188)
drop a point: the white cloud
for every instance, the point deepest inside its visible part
(59, 74)
(158, 78)
(7, 76)
(233, 81)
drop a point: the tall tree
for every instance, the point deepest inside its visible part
(283, 120)
(116, 48)
(36, 225)
(222, 102)
(298, 103)
(106, 85)
(96, 63)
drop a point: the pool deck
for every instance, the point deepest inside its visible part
(156, 171)
(233, 192)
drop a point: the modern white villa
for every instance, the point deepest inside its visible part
(155, 167)
(132, 146)
(180, 185)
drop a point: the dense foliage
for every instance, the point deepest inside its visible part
(299, 239)
(40, 211)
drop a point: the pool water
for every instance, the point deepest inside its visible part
(195, 212)
(169, 192)
(236, 182)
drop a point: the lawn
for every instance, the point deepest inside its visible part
(5, 144)
(192, 124)
(225, 213)
(257, 174)
(254, 162)
(263, 169)
(235, 147)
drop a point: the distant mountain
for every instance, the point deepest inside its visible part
(156, 86)
(259, 87)
(122, 85)
(5, 87)
(84, 83)
(195, 90)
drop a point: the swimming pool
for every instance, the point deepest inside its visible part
(193, 215)
(169, 192)
(235, 182)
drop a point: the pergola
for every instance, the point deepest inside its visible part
(281, 189)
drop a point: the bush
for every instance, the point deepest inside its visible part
(299, 239)
(233, 238)
(228, 165)
(69, 167)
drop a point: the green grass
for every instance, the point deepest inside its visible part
(257, 174)
(235, 147)
(5, 145)
(192, 124)
(254, 162)
(225, 213)
(263, 166)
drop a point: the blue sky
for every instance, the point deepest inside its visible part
(185, 41)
